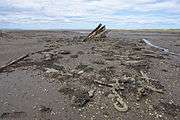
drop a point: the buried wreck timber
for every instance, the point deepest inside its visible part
(93, 75)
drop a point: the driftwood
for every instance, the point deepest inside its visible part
(13, 62)
(1, 33)
(161, 49)
(102, 83)
(20, 59)
(99, 32)
(99, 26)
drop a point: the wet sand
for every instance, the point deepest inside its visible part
(56, 84)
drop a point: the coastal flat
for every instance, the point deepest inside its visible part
(53, 84)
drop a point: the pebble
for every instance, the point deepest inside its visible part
(74, 56)
(81, 72)
(53, 113)
(45, 90)
(91, 93)
(111, 96)
(51, 70)
(65, 52)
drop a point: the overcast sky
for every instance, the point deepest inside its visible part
(85, 14)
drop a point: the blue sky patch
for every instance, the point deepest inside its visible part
(86, 14)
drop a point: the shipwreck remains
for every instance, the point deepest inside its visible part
(99, 32)
(120, 70)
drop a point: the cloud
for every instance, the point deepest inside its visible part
(90, 11)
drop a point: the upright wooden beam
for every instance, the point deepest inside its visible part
(97, 32)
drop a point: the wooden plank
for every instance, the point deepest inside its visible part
(92, 33)
(13, 62)
(20, 59)
(98, 32)
(98, 27)
(103, 28)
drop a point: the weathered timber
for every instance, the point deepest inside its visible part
(20, 59)
(98, 32)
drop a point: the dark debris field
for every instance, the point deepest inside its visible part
(119, 77)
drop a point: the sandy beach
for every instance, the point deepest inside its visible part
(74, 80)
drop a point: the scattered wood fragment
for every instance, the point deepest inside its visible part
(119, 105)
(118, 102)
(13, 62)
(154, 56)
(20, 59)
(13, 115)
(102, 83)
(147, 87)
(155, 89)
(145, 51)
